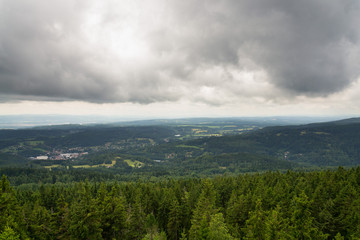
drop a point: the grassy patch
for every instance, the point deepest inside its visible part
(245, 129)
(199, 131)
(83, 166)
(113, 162)
(322, 133)
(52, 166)
(134, 164)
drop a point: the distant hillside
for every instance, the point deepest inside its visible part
(178, 148)
(324, 144)
(340, 122)
(69, 121)
(234, 163)
(320, 124)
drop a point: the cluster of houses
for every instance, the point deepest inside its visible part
(60, 156)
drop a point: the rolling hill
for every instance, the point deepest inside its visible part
(200, 147)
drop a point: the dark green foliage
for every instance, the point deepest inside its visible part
(218, 229)
(272, 205)
(203, 213)
(254, 226)
(9, 234)
(102, 135)
(236, 162)
(11, 221)
(11, 159)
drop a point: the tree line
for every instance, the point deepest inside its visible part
(271, 205)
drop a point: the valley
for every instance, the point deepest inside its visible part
(178, 148)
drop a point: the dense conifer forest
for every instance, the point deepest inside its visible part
(270, 205)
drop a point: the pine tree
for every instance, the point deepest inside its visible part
(156, 236)
(218, 229)
(276, 227)
(302, 223)
(39, 222)
(164, 208)
(237, 213)
(136, 220)
(152, 229)
(205, 208)
(9, 234)
(60, 219)
(10, 209)
(183, 235)
(85, 222)
(174, 224)
(339, 237)
(186, 211)
(255, 228)
(111, 209)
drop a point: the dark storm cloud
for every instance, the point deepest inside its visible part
(62, 50)
(302, 45)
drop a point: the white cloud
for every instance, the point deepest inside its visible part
(248, 54)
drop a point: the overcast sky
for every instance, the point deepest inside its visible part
(171, 58)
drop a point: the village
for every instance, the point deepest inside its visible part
(59, 155)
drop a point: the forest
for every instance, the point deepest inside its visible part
(270, 205)
(199, 180)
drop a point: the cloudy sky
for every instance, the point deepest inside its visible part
(170, 58)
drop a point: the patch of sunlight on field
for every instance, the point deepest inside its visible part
(83, 166)
(52, 166)
(113, 162)
(134, 164)
(322, 133)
